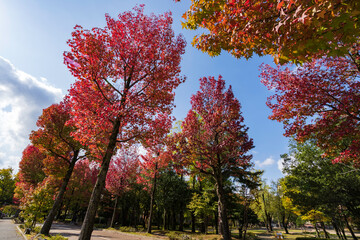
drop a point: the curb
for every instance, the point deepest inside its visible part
(22, 234)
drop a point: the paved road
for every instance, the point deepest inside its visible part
(8, 230)
(72, 232)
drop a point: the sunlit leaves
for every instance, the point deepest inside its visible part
(318, 100)
(289, 30)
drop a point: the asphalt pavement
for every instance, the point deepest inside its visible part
(8, 230)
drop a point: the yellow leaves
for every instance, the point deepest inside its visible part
(315, 216)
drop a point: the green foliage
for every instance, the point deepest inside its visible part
(7, 186)
(10, 210)
(40, 202)
(313, 182)
(202, 204)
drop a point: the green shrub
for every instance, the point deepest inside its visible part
(57, 237)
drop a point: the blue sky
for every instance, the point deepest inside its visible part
(33, 76)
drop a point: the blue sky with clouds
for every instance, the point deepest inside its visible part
(33, 76)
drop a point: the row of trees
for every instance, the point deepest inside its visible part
(126, 73)
(211, 148)
(122, 99)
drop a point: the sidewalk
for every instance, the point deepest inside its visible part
(72, 232)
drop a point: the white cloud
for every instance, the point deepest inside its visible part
(280, 164)
(22, 99)
(267, 162)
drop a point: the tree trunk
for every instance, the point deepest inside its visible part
(88, 224)
(59, 211)
(338, 233)
(216, 222)
(240, 228)
(75, 213)
(350, 228)
(181, 219)
(173, 220)
(152, 199)
(317, 231)
(284, 223)
(164, 220)
(222, 209)
(50, 218)
(193, 222)
(246, 220)
(114, 212)
(202, 224)
(325, 232)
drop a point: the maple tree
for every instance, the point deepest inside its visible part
(318, 100)
(54, 138)
(79, 188)
(289, 30)
(151, 166)
(30, 172)
(126, 74)
(214, 140)
(122, 172)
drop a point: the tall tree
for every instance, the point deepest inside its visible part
(289, 30)
(214, 140)
(126, 74)
(54, 138)
(122, 173)
(152, 165)
(319, 100)
(7, 186)
(30, 172)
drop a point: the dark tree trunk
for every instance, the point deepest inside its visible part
(285, 223)
(88, 224)
(193, 223)
(225, 231)
(164, 220)
(202, 225)
(246, 220)
(317, 231)
(50, 218)
(324, 229)
(181, 219)
(75, 213)
(338, 233)
(152, 199)
(216, 217)
(270, 222)
(240, 228)
(350, 228)
(114, 211)
(59, 210)
(173, 220)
